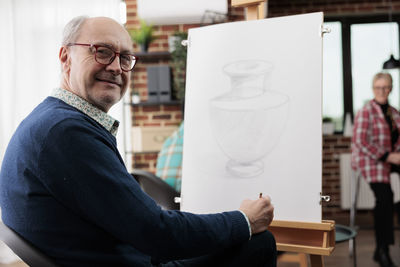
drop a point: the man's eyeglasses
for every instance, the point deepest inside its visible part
(105, 56)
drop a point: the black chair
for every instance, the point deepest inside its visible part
(23, 249)
(157, 189)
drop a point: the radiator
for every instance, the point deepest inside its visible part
(366, 198)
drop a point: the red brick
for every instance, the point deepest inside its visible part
(131, 14)
(162, 117)
(131, 5)
(131, 22)
(330, 166)
(341, 146)
(141, 165)
(154, 45)
(151, 156)
(139, 69)
(186, 27)
(172, 107)
(396, 6)
(170, 28)
(328, 153)
(140, 85)
(348, 9)
(152, 124)
(345, 139)
(161, 38)
(140, 117)
(151, 108)
(137, 157)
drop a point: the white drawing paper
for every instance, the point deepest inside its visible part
(253, 116)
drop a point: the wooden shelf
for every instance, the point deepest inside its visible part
(153, 56)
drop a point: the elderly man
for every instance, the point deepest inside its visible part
(64, 186)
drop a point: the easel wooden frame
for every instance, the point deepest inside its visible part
(315, 239)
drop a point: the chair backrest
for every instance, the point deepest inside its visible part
(23, 249)
(159, 190)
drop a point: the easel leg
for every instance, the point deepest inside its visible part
(354, 191)
(299, 258)
(316, 261)
(252, 12)
(303, 260)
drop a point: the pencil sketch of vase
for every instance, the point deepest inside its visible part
(248, 120)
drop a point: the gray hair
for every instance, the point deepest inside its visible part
(382, 75)
(72, 30)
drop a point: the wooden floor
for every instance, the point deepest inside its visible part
(340, 257)
(365, 249)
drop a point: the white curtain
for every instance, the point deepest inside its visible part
(30, 41)
(29, 69)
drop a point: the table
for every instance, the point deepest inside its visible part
(345, 233)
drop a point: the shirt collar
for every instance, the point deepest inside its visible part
(82, 105)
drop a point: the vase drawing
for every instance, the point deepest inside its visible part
(248, 121)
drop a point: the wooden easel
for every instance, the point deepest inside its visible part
(315, 239)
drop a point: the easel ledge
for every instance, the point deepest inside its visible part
(304, 237)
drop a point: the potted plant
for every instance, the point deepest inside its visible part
(328, 126)
(143, 36)
(178, 56)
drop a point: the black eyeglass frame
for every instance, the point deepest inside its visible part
(112, 58)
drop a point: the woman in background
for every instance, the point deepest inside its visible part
(375, 155)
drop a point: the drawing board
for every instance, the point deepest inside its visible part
(253, 116)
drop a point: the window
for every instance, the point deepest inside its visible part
(354, 51)
(333, 74)
(371, 45)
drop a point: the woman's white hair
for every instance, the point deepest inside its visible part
(382, 75)
(72, 30)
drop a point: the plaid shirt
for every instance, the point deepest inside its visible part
(169, 161)
(371, 140)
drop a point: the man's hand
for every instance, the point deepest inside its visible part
(394, 158)
(260, 213)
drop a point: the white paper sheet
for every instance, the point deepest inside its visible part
(253, 116)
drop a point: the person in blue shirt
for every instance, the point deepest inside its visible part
(169, 160)
(64, 186)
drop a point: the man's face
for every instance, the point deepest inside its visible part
(100, 85)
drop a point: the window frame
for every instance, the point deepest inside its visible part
(346, 23)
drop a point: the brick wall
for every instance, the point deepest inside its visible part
(156, 115)
(333, 146)
(162, 115)
(278, 8)
(153, 115)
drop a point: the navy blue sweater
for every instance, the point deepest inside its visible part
(64, 188)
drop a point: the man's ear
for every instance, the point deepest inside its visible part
(65, 59)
